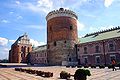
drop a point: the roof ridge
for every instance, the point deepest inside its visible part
(102, 31)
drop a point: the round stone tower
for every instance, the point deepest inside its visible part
(61, 36)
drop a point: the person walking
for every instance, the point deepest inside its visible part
(113, 64)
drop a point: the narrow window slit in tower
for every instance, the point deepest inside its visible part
(71, 27)
(55, 43)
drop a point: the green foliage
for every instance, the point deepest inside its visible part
(83, 71)
(4, 61)
(118, 64)
(64, 75)
(81, 74)
(101, 66)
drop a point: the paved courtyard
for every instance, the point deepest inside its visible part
(97, 74)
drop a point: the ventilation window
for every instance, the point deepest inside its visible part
(64, 41)
(55, 43)
(71, 27)
(48, 46)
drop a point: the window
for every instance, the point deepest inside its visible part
(70, 59)
(97, 59)
(44, 54)
(71, 27)
(28, 49)
(112, 57)
(25, 48)
(111, 47)
(64, 41)
(45, 61)
(48, 46)
(55, 43)
(50, 28)
(22, 49)
(85, 60)
(97, 49)
(85, 50)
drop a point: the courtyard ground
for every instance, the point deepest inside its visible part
(96, 74)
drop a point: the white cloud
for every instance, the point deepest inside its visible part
(40, 6)
(3, 41)
(4, 52)
(4, 21)
(5, 49)
(95, 29)
(80, 26)
(108, 3)
(17, 2)
(36, 43)
(19, 17)
(107, 27)
(11, 12)
(36, 27)
(11, 41)
(91, 16)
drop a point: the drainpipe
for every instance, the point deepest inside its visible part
(104, 53)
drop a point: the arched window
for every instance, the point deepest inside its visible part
(85, 50)
(97, 49)
(28, 49)
(111, 46)
(22, 49)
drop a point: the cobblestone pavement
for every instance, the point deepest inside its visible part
(97, 74)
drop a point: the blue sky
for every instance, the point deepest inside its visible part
(20, 16)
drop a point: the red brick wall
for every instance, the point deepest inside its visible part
(58, 28)
(15, 53)
(104, 50)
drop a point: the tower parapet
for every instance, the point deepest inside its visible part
(61, 12)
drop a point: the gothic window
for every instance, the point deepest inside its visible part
(85, 50)
(55, 43)
(28, 49)
(97, 49)
(25, 49)
(22, 49)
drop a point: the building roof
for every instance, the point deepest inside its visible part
(40, 48)
(101, 35)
